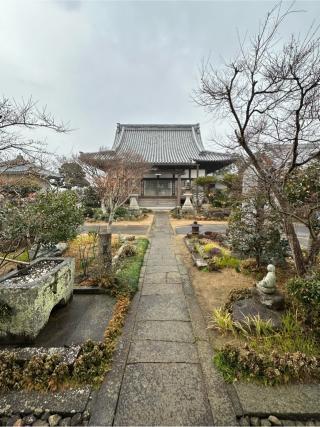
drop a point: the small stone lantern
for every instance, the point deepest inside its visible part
(195, 227)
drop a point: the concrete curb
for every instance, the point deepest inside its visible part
(221, 404)
(106, 400)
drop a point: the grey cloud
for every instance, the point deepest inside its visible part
(96, 63)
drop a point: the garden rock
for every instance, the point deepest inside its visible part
(274, 420)
(18, 423)
(40, 423)
(29, 419)
(245, 421)
(265, 423)
(38, 412)
(65, 422)
(273, 301)
(76, 419)
(255, 421)
(11, 421)
(46, 415)
(54, 420)
(251, 307)
(86, 415)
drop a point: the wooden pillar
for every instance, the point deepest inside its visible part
(179, 190)
(197, 188)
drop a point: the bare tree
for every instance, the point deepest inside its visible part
(270, 95)
(114, 177)
(17, 116)
(16, 149)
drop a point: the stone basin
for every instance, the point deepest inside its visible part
(25, 305)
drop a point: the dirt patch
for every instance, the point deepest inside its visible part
(212, 289)
(147, 220)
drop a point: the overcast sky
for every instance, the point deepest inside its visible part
(96, 63)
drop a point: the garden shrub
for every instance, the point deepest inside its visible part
(306, 294)
(212, 266)
(127, 278)
(210, 246)
(227, 261)
(250, 238)
(50, 218)
(121, 212)
(272, 368)
(128, 250)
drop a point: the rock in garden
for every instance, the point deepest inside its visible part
(54, 420)
(45, 416)
(274, 420)
(40, 423)
(254, 421)
(37, 412)
(310, 423)
(76, 419)
(250, 307)
(244, 421)
(12, 420)
(18, 423)
(265, 422)
(86, 415)
(65, 422)
(29, 419)
(288, 423)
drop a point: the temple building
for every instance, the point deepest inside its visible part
(176, 155)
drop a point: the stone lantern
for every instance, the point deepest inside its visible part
(188, 206)
(134, 206)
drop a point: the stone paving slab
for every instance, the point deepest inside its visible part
(162, 352)
(61, 402)
(163, 395)
(283, 401)
(163, 331)
(157, 278)
(162, 267)
(162, 307)
(162, 289)
(173, 277)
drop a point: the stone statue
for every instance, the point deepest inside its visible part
(268, 284)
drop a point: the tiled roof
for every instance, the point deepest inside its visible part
(164, 144)
(25, 169)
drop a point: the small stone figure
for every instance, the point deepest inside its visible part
(268, 284)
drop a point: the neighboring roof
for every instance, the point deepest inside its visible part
(163, 144)
(19, 166)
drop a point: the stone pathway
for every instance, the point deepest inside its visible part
(168, 377)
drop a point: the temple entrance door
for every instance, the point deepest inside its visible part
(158, 187)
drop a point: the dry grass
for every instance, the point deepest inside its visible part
(147, 220)
(212, 289)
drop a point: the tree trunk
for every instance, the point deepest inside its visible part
(314, 250)
(291, 234)
(294, 246)
(106, 250)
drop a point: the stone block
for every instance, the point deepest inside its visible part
(251, 307)
(273, 301)
(30, 303)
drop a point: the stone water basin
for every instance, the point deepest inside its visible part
(28, 296)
